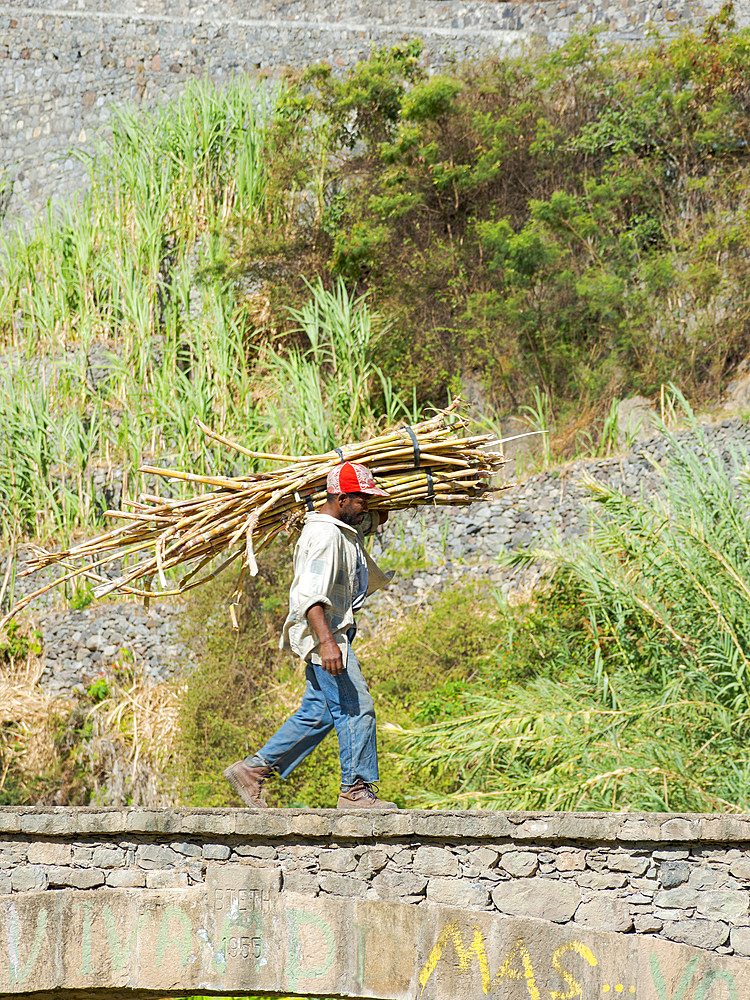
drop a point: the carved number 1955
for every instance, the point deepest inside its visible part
(244, 947)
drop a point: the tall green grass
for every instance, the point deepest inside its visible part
(650, 707)
(326, 391)
(123, 324)
(111, 265)
(123, 319)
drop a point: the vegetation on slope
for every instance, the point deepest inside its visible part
(640, 696)
(292, 266)
(559, 230)
(621, 684)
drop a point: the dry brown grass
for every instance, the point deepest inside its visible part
(26, 715)
(119, 751)
(133, 745)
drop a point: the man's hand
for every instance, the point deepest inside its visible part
(330, 654)
(330, 658)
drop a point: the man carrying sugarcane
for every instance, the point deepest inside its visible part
(333, 574)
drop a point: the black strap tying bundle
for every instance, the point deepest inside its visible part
(430, 485)
(307, 499)
(415, 444)
(340, 453)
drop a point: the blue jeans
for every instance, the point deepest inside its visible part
(343, 701)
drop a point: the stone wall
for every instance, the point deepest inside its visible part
(63, 64)
(622, 883)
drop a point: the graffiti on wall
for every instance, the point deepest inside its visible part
(244, 936)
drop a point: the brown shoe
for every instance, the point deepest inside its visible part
(362, 795)
(248, 782)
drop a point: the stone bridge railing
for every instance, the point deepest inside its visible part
(400, 905)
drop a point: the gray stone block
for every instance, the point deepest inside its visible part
(605, 913)
(402, 858)
(47, 824)
(342, 885)
(646, 923)
(311, 825)
(707, 934)
(674, 873)
(484, 858)
(370, 863)
(680, 829)
(155, 856)
(549, 899)
(153, 821)
(108, 857)
(683, 898)
(741, 868)
(342, 859)
(300, 882)
(49, 853)
(216, 852)
(723, 904)
(570, 861)
(628, 863)
(389, 884)
(186, 848)
(711, 878)
(601, 880)
(519, 863)
(457, 892)
(75, 878)
(29, 878)
(739, 938)
(435, 861)
(349, 825)
(126, 878)
(166, 880)
(251, 851)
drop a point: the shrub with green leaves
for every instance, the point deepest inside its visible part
(567, 221)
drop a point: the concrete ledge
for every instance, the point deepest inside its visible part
(626, 828)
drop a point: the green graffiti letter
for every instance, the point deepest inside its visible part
(183, 942)
(361, 947)
(17, 973)
(298, 919)
(707, 982)
(86, 966)
(658, 977)
(120, 953)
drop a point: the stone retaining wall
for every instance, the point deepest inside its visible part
(684, 878)
(62, 64)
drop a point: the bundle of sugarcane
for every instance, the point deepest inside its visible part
(431, 463)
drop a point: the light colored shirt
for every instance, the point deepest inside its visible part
(326, 571)
(361, 580)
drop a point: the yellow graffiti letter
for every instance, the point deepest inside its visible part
(576, 990)
(451, 933)
(509, 969)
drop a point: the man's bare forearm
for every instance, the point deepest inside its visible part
(330, 654)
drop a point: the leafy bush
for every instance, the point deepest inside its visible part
(566, 221)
